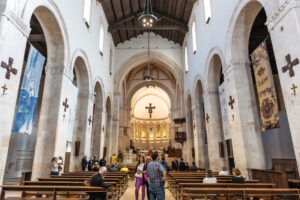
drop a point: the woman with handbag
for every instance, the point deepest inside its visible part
(140, 178)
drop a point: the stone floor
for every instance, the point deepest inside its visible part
(130, 193)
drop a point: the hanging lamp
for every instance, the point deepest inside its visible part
(148, 19)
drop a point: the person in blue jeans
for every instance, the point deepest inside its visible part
(156, 174)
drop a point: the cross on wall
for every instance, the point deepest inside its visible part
(207, 118)
(294, 88)
(66, 105)
(90, 120)
(4, 88)
(231, 102)
(290, 65)
(9, 68)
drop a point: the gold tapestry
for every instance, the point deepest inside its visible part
(265, 88)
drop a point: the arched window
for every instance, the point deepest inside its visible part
(87, 12)
(101, 38)
(207, 10)
(186, 59)
(194, 37)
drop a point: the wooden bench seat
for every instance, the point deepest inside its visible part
(55, 191)
(243, 193)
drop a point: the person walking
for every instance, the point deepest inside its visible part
(148, 160)
(140, 178)
(84, 163)
(156, 174)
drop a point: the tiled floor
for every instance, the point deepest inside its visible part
(130, 193)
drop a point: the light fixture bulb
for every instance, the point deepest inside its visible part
(151, 20)
(144, 20)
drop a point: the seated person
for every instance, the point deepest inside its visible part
(237, 176)
(125, 169)
(181, 165)
(114, 167)
(224, 172)
(96, 167)
(210, 177)
(193, 167)
(98, 181)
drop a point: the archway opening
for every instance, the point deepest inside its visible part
(45, 40)
(83, 121)
(216, 113)
(279, 135)
(150, 119)
(200, 126)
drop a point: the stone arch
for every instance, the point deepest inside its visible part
(79, 53)
(52, 22)
(57, 57)
(211, 65)
(201, 152)
(141, 58)
(97, 120)
(213, 73)
(81, 130)
(240, 27)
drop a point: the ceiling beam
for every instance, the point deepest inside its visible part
(113, 29)
(36, 38)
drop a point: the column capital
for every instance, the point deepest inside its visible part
(210, 93)
(19, 24)
(235, 64)
(282, 11)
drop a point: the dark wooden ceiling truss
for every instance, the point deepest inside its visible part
(173, 17)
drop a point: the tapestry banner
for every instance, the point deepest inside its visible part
(265, 88)
(29, 92)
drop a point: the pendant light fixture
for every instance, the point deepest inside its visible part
(148, 19)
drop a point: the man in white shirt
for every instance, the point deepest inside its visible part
(224, 172)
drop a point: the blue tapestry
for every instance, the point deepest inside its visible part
(29, 92)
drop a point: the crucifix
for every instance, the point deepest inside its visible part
(231, 102)
(4, 88)
(294, 89)
(90, 120)
(9, 68)
(290, 65)
(207, 118)
(66, 105)
(150, 109)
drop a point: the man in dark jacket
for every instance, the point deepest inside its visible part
(182, 165)
(98, 181)
(175, 164)
(84, 163)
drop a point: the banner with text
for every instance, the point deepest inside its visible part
(265, 88)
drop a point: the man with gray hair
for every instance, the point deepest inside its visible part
(98, 181)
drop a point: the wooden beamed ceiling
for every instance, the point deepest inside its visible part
(173, 18)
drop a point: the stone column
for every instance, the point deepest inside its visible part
(244, 126)
(102, 136)
(50, 141)
(199, 135)
(187, 147)
(13, 33)
(114, 141)
(96, 132)
(284, 28)
(214, 130)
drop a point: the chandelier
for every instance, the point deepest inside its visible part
(148, 19)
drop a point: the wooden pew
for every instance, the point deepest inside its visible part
(182, 186)
(50, 192)
(243, 193)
